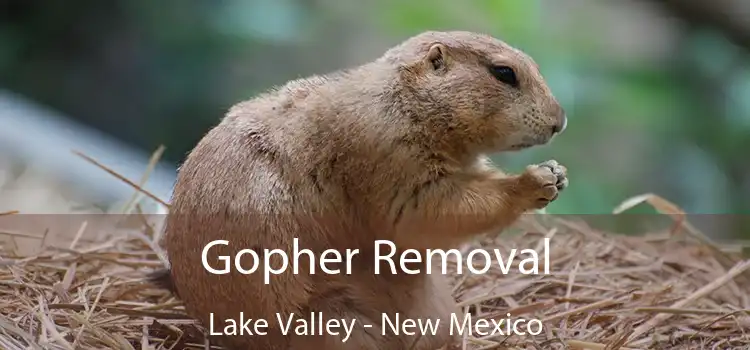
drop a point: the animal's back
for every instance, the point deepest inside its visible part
(245, 183)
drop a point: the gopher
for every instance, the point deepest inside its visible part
(395, 149)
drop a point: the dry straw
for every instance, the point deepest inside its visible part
(663, 290)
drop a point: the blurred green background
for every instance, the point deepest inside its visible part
(657, 92)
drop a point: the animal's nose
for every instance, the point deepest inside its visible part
(561, 124)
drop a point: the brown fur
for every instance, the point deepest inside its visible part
(394, 149)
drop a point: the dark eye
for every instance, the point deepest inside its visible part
(505, 74)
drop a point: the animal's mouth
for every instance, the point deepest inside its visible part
(529, 142)
(521, 146)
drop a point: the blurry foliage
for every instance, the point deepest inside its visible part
(155, 73)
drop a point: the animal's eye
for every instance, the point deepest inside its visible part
(505, 74)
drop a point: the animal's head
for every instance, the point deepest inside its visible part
(477, 90)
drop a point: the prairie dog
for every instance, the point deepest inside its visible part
(395, 149)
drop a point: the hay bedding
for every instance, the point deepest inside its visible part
(666, 290)
(661, 292)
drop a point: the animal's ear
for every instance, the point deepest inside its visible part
(436, 57)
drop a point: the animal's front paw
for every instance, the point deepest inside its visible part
(542, 183)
